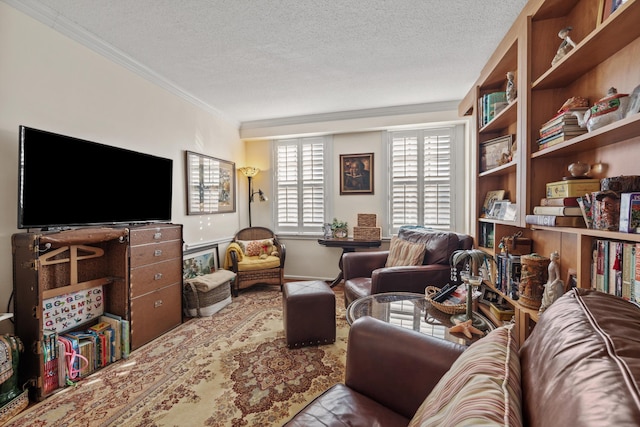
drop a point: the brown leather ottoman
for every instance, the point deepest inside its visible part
(309, 313)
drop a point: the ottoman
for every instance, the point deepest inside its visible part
(309, 313)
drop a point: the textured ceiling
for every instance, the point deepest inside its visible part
(267, 59)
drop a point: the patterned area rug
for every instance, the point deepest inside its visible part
(230, 369)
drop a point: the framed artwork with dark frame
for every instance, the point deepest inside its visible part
(211, 185)
(356, 173)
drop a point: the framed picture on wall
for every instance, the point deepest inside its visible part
(211, 185)
(356, 173)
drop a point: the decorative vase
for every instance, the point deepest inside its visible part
(533, 277)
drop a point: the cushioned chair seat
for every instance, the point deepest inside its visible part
(341, 405)
(250, 263)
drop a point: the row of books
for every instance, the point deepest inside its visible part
(73, 355)
(508, 269)
(561, 127)
(616, 268)
(490, 105)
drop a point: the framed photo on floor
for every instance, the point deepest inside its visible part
(356, 173)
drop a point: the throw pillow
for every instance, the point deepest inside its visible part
(254, 247)
(482, 387)
(402, 252)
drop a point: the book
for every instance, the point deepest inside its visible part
(629, 212)
(560, 201)
(124, 334)
(614, 263)
(557, 210)
(628, 269)
(635, 290)
(602, 272)
(585, 207)
(554, 220)
(117, 338)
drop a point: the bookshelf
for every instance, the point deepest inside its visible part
(606, 55)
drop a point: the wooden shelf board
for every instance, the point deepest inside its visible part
(590, 232)
(615, 33)
(505, 169)
(51, 293)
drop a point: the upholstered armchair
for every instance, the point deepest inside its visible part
(256, 255)
(418, 257)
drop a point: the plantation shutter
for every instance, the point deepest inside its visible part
(421, 178)
(300, 184)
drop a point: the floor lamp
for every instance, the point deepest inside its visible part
(250, 172)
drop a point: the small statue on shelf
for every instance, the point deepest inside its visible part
(511, 87)
(566, 45)
(554, 288)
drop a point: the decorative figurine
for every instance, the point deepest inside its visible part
(607, 110)
(554, 288)
(566, 45)
(511, 87)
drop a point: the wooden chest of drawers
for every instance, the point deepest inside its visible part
(155, 281)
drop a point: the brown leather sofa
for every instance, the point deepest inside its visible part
(365, 272)
(580, 367)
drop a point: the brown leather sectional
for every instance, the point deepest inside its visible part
(580, 367)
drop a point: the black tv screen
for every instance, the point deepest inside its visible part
(65, 181)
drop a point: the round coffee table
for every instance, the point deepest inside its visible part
(409, 310)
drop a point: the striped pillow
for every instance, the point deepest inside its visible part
(402, 252)
(481, 388)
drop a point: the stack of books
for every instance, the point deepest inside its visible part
(561, 127)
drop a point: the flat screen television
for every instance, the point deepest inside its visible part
(65, 182)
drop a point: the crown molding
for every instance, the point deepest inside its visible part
(352, 114)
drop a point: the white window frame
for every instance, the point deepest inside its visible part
(457, 188)
(326, 184)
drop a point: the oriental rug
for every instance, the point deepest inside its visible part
(229, 369)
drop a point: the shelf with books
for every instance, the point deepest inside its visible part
(605, 55)
(611, 134)
(503, 119)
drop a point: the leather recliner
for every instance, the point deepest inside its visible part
(365, 272)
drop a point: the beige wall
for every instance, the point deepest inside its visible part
(50, 82)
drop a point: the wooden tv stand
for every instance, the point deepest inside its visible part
(139, 269)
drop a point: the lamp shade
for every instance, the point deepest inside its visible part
(249, 171)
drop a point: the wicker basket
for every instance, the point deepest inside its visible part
(366, 220)
(431, 291)
(198, 303)
(367, 233)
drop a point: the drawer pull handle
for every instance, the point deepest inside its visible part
(157, 303)
(158, 276)
(157, 236)
(157, 252)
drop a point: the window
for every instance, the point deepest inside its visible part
(300, 199)
(421, 177)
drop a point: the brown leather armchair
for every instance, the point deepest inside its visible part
(365, 272)
(253, 261)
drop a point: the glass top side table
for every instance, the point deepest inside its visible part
(411, 311)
